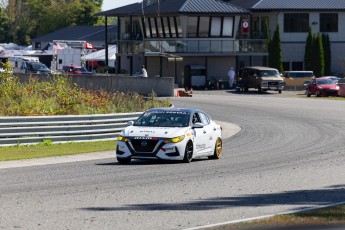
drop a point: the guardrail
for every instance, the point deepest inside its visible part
(61, 129)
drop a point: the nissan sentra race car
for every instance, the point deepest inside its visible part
(179, 134)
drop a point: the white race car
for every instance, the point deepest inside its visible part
(180, 134)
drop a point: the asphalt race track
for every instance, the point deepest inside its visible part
(289, 155)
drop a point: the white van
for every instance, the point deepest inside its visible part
(18, 62)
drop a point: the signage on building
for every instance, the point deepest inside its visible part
(245, 26)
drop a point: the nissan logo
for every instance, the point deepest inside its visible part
(143, 143)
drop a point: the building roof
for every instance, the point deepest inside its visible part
(300, 5)
(269, 5)
(87, 33)
(176, 7)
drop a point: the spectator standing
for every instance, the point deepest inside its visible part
(231, 75)
(144, 72)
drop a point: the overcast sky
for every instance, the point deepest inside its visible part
(111, 4)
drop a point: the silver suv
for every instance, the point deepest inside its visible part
(261, 78)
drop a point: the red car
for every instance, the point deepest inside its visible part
(322, 86)
(76, 70)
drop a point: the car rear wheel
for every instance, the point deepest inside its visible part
(188, 153)
(217, 149)
(123, 160)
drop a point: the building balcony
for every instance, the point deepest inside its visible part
(194, 46)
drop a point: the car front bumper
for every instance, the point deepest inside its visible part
(135, 149)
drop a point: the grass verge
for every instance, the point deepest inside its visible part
(324, 218)
(47, 149)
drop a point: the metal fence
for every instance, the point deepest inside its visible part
(61, 129)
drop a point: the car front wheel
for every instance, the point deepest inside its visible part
(188, 153)
(217, 149)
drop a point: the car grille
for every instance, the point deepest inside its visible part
(140, 146)
(272, 83)
(331, 92)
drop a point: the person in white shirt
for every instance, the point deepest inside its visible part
(144, 72)
(231, 75)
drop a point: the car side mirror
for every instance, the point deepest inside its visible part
(198, 125)
(130, 123)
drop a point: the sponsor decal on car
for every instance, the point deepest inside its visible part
(168, 149)
(202, 146)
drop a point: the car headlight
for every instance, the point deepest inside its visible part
(337, 88)
(320, 87)
(174, 139)
(122, 138)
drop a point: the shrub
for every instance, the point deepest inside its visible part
(59, 96)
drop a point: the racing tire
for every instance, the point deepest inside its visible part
(188, 152)
(217, 149)
(123, 160)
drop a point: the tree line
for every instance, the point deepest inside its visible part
(23, 20)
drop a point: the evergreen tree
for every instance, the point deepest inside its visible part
(276, 51)
(318, 59)
(327, 53)
(266, 36)
(308, 53)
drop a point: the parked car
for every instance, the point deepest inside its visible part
(179, 134)
(35, 67)
(261, 78)
(297, 79)
(322, 86)
(72, 69)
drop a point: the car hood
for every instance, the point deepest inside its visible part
(328, 86)
(161, 132)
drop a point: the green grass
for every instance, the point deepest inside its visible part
(331, 216)
(47, 149)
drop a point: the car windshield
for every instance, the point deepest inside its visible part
(81, 69)
(324, 82)
(38, 66)
(269, 73)
(164, 119)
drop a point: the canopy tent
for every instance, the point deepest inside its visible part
(100, 55)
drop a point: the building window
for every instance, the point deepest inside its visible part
(329, 22)
(296, 22)
(216, 26)
(178, 27)
(204, 27)
(37, 45)
(228, 27)
(173, 27)
(192, 27)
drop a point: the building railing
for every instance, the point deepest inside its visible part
(193, 46)
(25, 130)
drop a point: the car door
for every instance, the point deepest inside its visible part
(201, 137)
(312, 87)
(209, 132)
